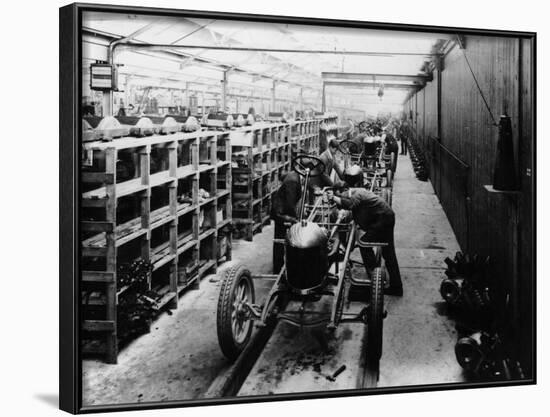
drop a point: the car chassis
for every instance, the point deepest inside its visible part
(237, 309)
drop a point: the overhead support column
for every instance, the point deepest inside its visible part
(107, 103)
(224, 91)
(127, 90)
(438, 67)
(202, 100)
(187, 98)
(301, 100)
(324, 100)
(273, 97)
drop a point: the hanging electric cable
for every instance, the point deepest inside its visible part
(475, 80)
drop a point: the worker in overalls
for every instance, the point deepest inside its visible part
(376, 220)
(284, 213)
(391, 147)
(370, 146)
(404, 136)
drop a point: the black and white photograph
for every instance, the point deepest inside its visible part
(274, 208)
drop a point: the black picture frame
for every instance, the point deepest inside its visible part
(70, 20)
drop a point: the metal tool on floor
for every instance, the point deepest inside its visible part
(332, 377)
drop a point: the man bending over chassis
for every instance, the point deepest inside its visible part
(376, 219)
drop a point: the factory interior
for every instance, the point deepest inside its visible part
(201, 279)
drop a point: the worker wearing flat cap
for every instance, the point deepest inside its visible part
(404, 136)
(376, 219)
(391, 147)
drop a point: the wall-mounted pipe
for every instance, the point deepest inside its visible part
(280, 50)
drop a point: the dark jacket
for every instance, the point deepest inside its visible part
(286, 198)
(404, 132)
(391, 145)
(368, 208)
(370, 147)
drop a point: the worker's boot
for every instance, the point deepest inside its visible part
(396, 291)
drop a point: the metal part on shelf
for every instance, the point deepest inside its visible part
(152, 214)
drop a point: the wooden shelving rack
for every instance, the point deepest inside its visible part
(157, 214)
(261, 155)
(305, 137)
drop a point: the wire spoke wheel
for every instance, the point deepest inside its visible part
(389, 178)
(387, 195)
(234, 325)
(375, 324)
(393, 161)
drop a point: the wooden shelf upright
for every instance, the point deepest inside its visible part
(159, 199)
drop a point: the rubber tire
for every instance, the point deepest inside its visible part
(387, 196)
(389, 178)
(375, 323)
(230, 282)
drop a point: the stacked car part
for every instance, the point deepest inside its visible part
(467, 290)
(418, 160)
(467, 284)
(483, 356)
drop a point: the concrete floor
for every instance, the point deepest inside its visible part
(419, 339)
(180, 358)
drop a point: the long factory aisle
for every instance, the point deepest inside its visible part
(418, 346)
(418, 338)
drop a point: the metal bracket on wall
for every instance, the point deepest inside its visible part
(461, 40)
(437, 63)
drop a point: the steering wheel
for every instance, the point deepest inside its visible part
(348, 147)
(302, 163)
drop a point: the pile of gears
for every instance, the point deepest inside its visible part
(137, 307)
(480, 350)
(418, 160)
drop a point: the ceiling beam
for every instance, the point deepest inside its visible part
(368, 85)
(281, 50)
(198, 28)
(415, 79)
(138, 32)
